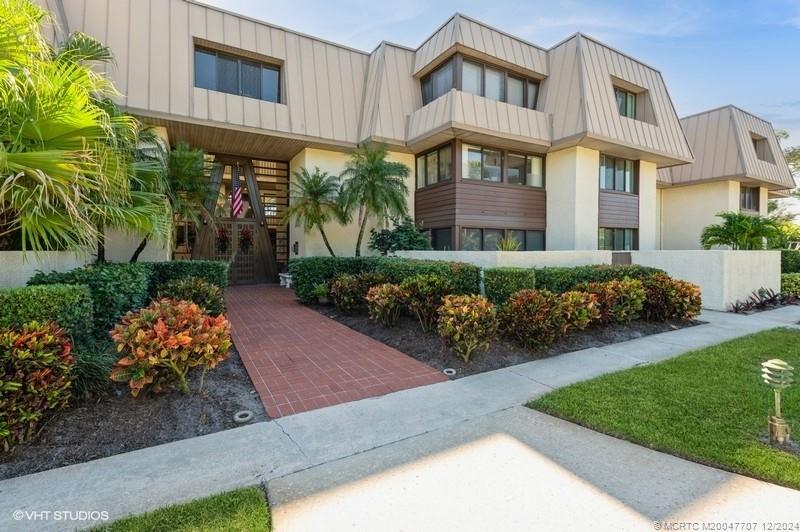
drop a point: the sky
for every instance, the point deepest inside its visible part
(711, 53)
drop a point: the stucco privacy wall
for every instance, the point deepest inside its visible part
(121, 245)
(17, 267)
(572, 198)
(342, 238)
(524, 259)
(724, 276)
(686, 210)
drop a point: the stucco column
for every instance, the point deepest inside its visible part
(648, 216)
(573, 189)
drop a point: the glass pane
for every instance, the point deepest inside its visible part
(494, 84)
(270, 84)
(516, 92)
(601, 238)
(471, 78)
(492, 165)
(443, 79)
(442, 239)
(251, 80)
(472, 162)
(534, 241)
(608, 172)
(445, 163)
(491, 239)
(619, 239)
(427, 91)
(518, 236)
(631, 105)
(629, 176)
(471, 239)
(432, 166)
(227, 75)
(533, 94)
(628, 239)
(516, 169)
(420, 171)
(619, 181)
(535, 175)
(620, 96)
(205, 70)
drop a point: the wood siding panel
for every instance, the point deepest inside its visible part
(435, 206)
(500, 206)
(618, 210)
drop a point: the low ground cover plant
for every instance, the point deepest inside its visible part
(161, 343)
(501, 283)
(207, 296)
(384, 303)
(467, 323)
(35, 378)
(423, 297)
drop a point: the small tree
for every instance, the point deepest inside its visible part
(375, 187)
(405, 236)
(739, 231)
(314, 202)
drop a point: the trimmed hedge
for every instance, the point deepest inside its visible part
(69, 306)
(790, 261)
(501, 283)
(211, 271)
(115, 288)
(307, 272)
(562, 279)
(790, 284)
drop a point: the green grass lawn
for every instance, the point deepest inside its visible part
(242, 510)
(709, 406)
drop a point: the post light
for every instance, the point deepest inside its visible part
(779, 375)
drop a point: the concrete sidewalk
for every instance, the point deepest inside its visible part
(180, 471)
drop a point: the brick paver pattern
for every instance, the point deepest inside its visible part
(300, 360)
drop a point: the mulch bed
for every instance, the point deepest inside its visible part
(408, 338)
(118, 423)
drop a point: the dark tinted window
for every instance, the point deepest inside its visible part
(534, 241)
(270, 84)
(205, 70)
(617, 174)
(442, 239)
(471, 239)
(227, 74)
(251, 80)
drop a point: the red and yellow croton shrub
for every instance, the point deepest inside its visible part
(467, 323)
(533, 317)
(384, 303)
(161, 343)
(621, 300)
(579, 310)
(668, 298)
(35, 378)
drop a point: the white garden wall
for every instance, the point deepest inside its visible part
(724, 276)
(522, 259)
(16, 268)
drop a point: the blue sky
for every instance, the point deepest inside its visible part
(711, 53)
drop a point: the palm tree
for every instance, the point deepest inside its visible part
(65, 153)
(314, 201)
(739, 231)
(376, 186)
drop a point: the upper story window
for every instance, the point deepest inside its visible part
(481, 79)
(221, 72)
(626, 102)
(761, 146)
(435, 166)
(488, 164)
(618, 174)
(749, 198)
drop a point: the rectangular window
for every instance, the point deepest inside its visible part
(435, 166)
(516, 91)
(533, 94)
(472, 78)
(525, 170)
(494, 84)
(471, 239)
(446, 163)
(618, 174)
(616, 239)
(442, 239)
(489, 239)
(225, 73)
(492, 165)
(761, 146)
(420, 171)
(487, 164)
(534, 240)
(626, 102)
(518, 236)
(472, 156)
(749, 199)
(437, 83)
(432, 167)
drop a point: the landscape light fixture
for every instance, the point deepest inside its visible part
(779, 375)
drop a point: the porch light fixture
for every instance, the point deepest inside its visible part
(779, 375)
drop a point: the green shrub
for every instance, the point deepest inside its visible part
(92, 370)
(533, 318)
(308, 272)
(423, 297)
(620, 300)
(579, 310)
(385, 302)
(116, 289)
(404, 236)
(69, 306)
(790, 284)
(667, 298)
(322, 291)
(467, 323)
(560, 279)
(790, 261)
(211, 271)
(35, 378)
(464, 277)
(501, 283)
(345, 292)
(207, 296)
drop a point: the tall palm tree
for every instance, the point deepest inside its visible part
(65, 155)
(314, 201)
(739, 231)
(374, 186)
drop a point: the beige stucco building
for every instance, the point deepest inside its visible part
(572, 147)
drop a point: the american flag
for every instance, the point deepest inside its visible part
(236, 193)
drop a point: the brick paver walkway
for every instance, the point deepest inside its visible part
(300, 360)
